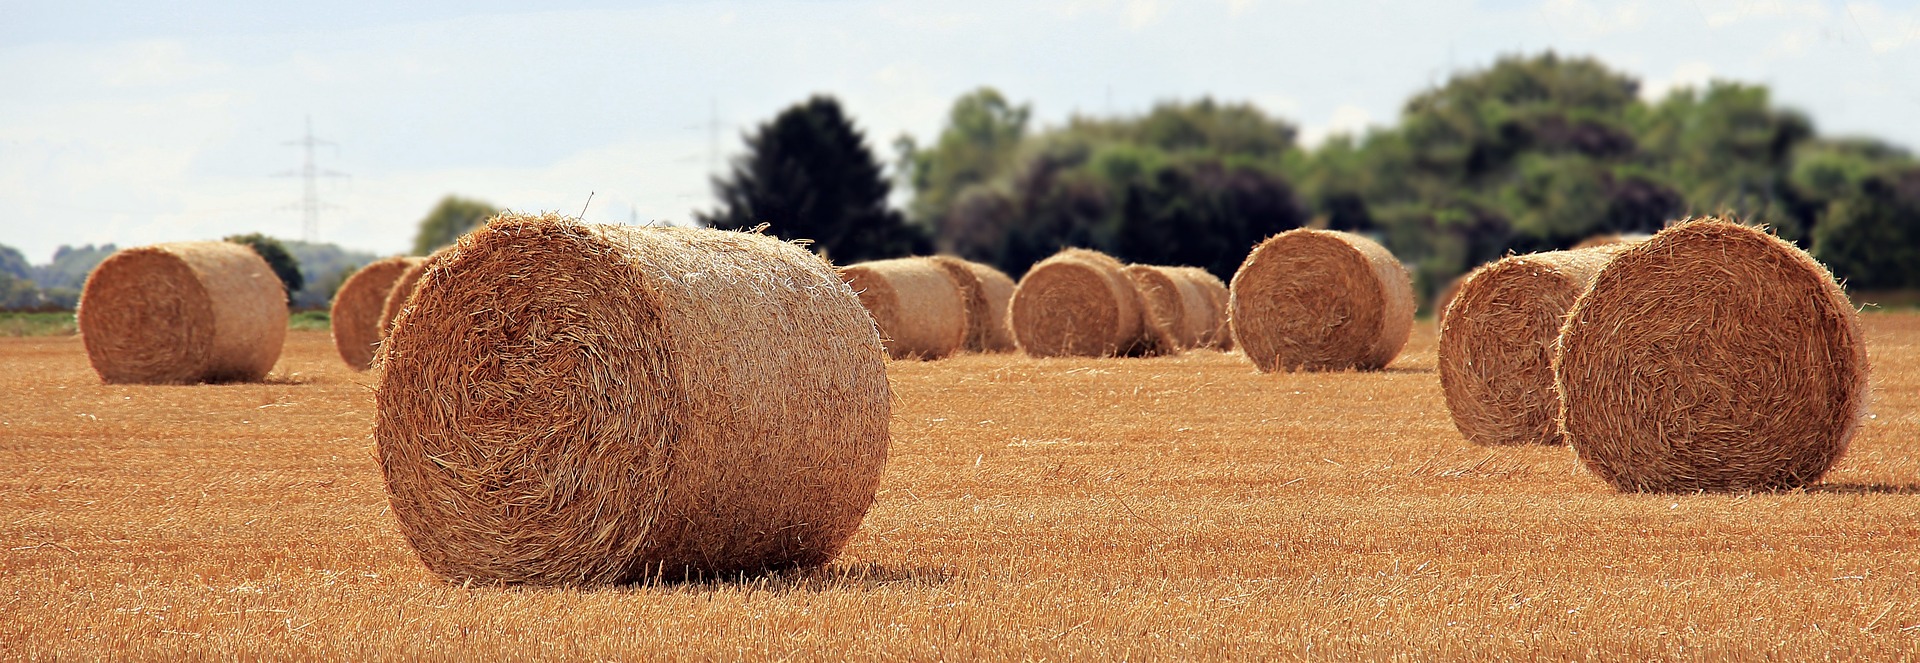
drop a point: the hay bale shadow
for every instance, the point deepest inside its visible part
(1866, 488)
(836, 577)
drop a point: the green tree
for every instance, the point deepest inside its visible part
(452, 217)
(283, 263)
(1870, 237)
(808, 174)
(1728, 150)
(70, 266)
(982, 135)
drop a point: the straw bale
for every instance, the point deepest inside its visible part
(1219, 335)
(1078, 303)
(987, 291)
(183, 312)
(1446, 295)
(397, 295)
(1177, 310)
(356, 316)
(921, 308)
(1712, 357)
(1611, 238)
(573, 404)
(1496, 343)
(1320, 300)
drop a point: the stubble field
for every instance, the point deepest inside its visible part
(1181, 507)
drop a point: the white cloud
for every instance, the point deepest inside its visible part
(1694, 74)
(1349, 119)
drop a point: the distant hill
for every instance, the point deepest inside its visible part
(57, 284)
(324, 267)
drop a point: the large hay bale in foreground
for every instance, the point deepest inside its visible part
(1321, 300)
(1220, 335)
(183, 312)
(1078, 303)
(1496, 344)
(1711, 357)
(1177, 310)
(563, 403)
(987, 292)
(920, 308)
(1609, 239)
(355, 318)
(397, 295)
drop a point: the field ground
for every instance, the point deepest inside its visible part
(1059, 509)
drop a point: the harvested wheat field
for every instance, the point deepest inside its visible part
(1094, 509)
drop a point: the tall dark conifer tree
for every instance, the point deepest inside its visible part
(808, 174)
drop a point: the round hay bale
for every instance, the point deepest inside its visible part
(921, 309)
(1496, 344)
(1321, 300)
(397, 295)
(575, 404)
(1218, 335)
(1444, 298)
(987, 291)
(1176, 310)
(1611, 238)
(356, 316)
(183, 312)
(1078, 303)
(1712, 357)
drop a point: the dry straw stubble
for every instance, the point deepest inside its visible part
(1712, 357)
(920, 308)
(183, 312)
(988, 292)
(1319, 300)
(565, 403)
(1078, 303)
(1496, 344)
(356, 319)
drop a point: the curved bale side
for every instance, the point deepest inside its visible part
(183, 312)
(1319, 300)
(1176, 312)
(356, 317)
(1078, 303)
(1446, 295)
(997, 287)
(397, 295)
(1609, 239)
(574, 404)
(986, 291)
(921, 309)
(1496, 344)
(1219, 335)
(1712, 357)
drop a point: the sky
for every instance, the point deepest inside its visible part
(135, 122)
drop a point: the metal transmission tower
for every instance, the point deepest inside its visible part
(310, 205)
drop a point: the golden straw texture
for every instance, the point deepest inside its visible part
(1320, 300)
(1078, 303)
(397, 295)
(1496, 344)
(1177, 311)
(355, 318)
(1712, 357)
(1220, 335)
(183, 312)
(1608, 239)
(921, 308)
(1444, 298)
(563, 403)
(987, 292)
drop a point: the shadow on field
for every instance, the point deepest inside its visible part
(1866, 488)
(834, 577)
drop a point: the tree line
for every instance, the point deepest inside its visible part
(1532, 153)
